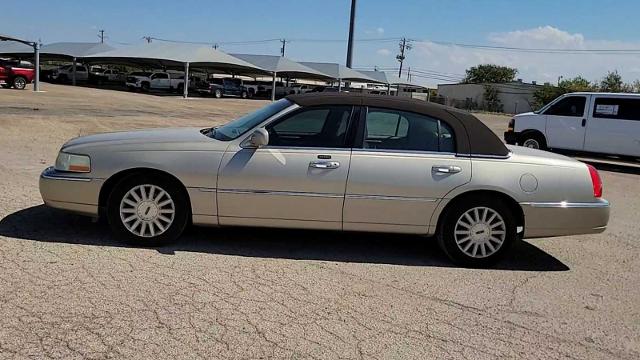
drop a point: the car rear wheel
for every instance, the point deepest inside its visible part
(533, 141)
(144, 87)
(477, 232)
(19, 82)
(147, 211)
(217, 93)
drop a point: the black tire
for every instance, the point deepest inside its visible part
(251, 93)
(6, 86)
(446, 234)
(19, 82)
(243, 95)
(175, 227)
(144, 87)
(533, 140)
(180, 89)
(217, 93)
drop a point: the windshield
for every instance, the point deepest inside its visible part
(237, 127)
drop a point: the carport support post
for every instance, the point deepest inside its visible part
(339, 85)
(185, 85)
(73, 73)
(36, 55)
(273, 86)
(388, 89)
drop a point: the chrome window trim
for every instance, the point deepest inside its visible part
(278, 193)
(404, 152)
(52, 174)
(275, 147)
(564, 204)
(389, 197)
(486, 156)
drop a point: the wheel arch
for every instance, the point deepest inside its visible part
(118, 177)
(513, 205)
(529, 132)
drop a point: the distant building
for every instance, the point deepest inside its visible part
(514, 97)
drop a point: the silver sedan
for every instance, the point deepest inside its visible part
(335, 162)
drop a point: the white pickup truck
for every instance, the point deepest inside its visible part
(65, 73)
(605, 123)
(146, 81)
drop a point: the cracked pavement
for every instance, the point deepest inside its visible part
(69, 290)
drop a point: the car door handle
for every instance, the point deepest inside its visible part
(446, 169)
(584, 122)
(324, 164)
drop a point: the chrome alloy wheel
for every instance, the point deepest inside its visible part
(147, 210)
(531, 143)
(480, 232)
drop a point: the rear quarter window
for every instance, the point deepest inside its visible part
(617, 108)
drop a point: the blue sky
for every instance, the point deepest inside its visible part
(540, 23)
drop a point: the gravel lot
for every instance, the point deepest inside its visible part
(69, 290)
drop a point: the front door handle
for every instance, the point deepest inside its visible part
(446, 169)
(324, 164)
(584, 122)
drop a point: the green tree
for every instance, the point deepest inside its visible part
(490, 74)
(548, 92)
(613, 83)
(491, 99)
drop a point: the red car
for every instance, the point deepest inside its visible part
(16, 73)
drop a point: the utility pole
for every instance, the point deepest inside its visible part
(284, 44)
(101, 36)
(215, 46)
(352, 25)
(409, 73)
(404, 46)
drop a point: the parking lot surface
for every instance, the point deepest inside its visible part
(69, 290)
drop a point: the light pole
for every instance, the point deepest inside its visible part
(352, 24)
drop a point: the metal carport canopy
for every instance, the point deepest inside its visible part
(386, 78)
(340, 72)
(36, 55)
(174, 55)
(282, 66)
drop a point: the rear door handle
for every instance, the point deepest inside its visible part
(446, 169)
(324, 164)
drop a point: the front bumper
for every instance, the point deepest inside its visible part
(511, 137)
(72, 192)
(546, 219)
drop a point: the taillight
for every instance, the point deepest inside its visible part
(595, 181)
(512, 123)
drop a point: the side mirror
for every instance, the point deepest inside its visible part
(259, 138)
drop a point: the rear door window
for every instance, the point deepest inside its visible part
(387, 129)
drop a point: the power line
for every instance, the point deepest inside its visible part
(536, 50)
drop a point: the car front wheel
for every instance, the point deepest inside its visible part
(533, 141)
(147, 211)
(477, 232)
(19, 83)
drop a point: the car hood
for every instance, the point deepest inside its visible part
(165, 136)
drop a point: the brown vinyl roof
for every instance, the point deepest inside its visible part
(472, 136)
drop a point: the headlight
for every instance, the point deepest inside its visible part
(73, 163)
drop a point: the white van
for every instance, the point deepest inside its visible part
(607, 123)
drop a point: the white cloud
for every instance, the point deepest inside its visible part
(383, 52)
(380, 31)
(539, 67)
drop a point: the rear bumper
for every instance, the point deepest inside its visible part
(70, 192)
(547, 219)
(511, 137)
